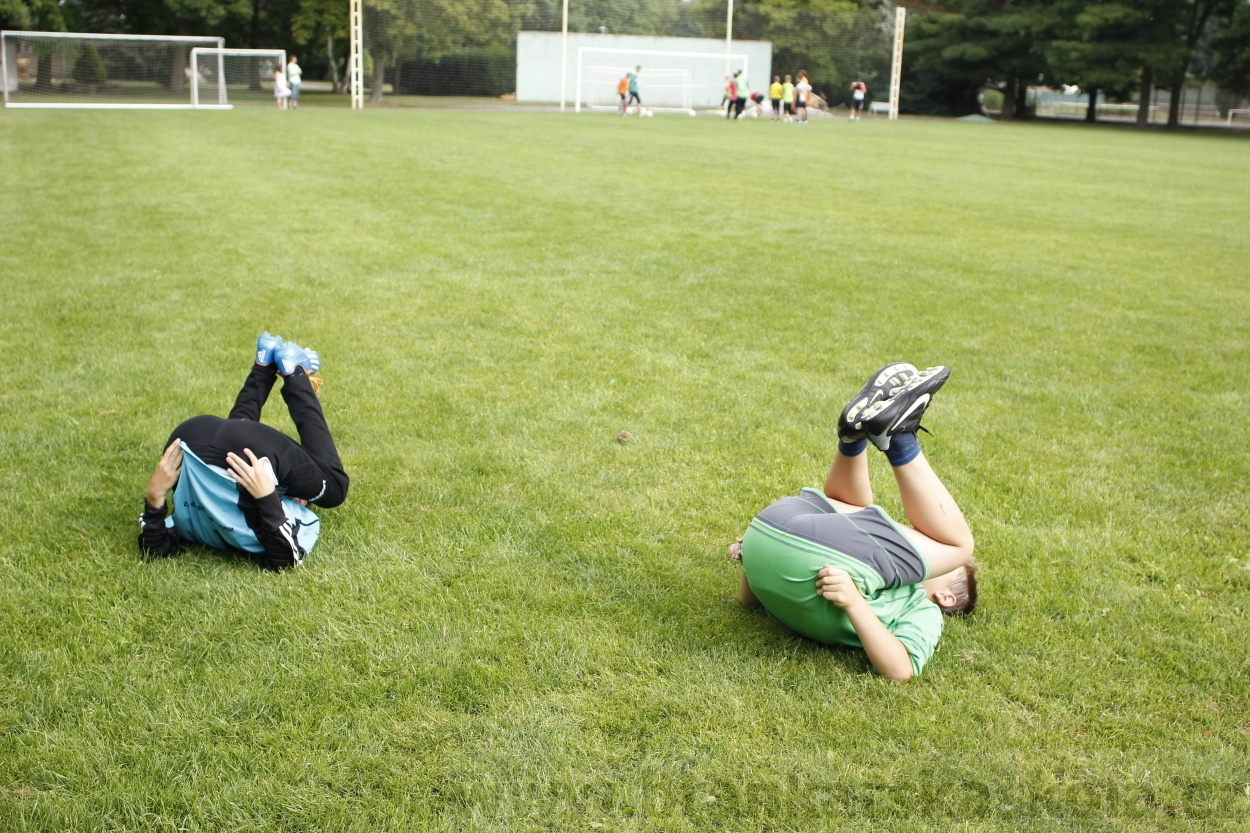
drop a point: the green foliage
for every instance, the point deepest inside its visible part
(487, 71)
(316, 18)
(88, 67)
(1096, 44)
(1103, 45)
(1232, 64)
(516, 623)
(14, 14)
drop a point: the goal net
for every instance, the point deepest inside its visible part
(662, 90)
(234, 77)
(59, 69)
(669, 80)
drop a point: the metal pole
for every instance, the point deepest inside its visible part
(896, 65)
(4, 70)
(564, 52)
(221, 78)
(355, 62)
(195, 76)
(729, 34)
(577, 83)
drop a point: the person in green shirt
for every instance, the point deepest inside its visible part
(836, 568)
(633, 90)
(787, 98)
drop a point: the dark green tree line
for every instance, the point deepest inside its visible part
(1103, 46)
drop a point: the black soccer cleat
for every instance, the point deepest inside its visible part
(901, 412)
(880, 386)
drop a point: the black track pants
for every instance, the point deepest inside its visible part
(310, 469)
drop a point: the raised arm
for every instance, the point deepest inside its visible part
(273, 529)
(886, 653)
(156, 539)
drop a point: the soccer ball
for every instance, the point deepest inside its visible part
(692, 114)
(648, 114)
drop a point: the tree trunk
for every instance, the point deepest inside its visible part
(379, 77)
(1178, 87)
(1091, 111)
(1010, 103)
(43, 72)
(334, 67)
(1143, 97)
(178, 69)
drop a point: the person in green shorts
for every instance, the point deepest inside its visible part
(633, 91)
(834, 567)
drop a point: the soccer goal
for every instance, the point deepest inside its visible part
(223, 78)
(79, 70)
(670, 81)
(662, 89)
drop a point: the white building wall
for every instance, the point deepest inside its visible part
(538, 63)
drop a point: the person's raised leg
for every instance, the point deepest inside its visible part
(847, 480)
(310, 423)
(933, 512)
(891, 425)
(255, 392)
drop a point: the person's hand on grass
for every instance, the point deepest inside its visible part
(166, 475)
(838, 587)
(251, 473)
(735, 550)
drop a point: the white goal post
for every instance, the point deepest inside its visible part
(701, 74)
(83, 70)
(220, 70)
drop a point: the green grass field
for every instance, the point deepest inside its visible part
(515, 622)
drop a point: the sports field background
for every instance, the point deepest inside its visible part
(517, 623)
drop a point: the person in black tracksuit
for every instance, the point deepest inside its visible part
(309, 471)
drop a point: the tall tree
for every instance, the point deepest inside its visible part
(1232, 53)
(321, 22)
(973, 43)
(1189, 19)
(1102, 45)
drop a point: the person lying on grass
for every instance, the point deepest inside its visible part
(836, 568)
(242, 485)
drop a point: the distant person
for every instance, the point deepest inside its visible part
(622, 90)
(832, 566)
(802, 93)
(744, 92)
(633, 90)
(775, 92)
(787, 99)
(242, 485)
(293, 74)
(281, 92)
(731, 96)
(757, 99)
(859, 91)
